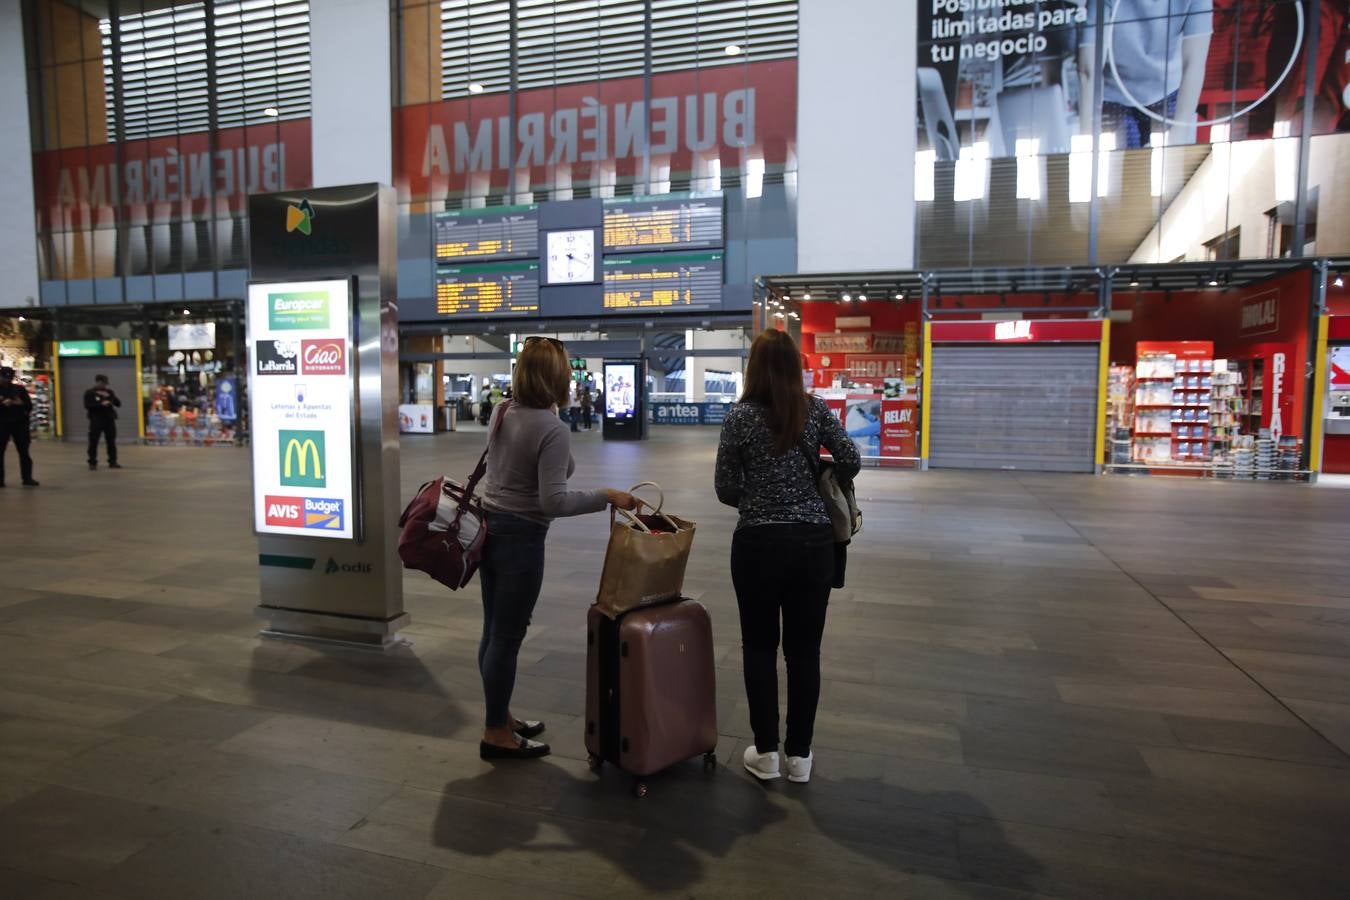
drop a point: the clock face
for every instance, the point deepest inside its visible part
(571, 257)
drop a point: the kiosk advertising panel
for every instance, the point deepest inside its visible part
(299, 338)
(624, 385)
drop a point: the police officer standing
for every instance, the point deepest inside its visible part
(15, 405)
(101, 404)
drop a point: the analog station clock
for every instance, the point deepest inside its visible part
(570, 257)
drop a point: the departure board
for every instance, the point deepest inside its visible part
(499, 232)
(664, 223)
(668, 281)
(488, 289)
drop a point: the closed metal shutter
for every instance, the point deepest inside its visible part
(1028, 406)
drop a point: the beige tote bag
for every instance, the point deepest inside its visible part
(646, 558)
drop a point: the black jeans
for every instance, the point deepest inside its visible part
(18, 432)
(782, 570)
(513, 572)
(107, 428)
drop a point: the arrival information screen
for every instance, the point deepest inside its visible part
(502, 232)
(644, 223)
(300, 399)
(488, 289)
(663, 281)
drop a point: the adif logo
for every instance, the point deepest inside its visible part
(299, 217)
(323, 357)
(356, 568)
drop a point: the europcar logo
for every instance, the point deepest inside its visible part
(302, 461)
(297, 310)
(299, 217)
(323, 357)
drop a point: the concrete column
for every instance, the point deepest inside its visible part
(351, 126)
(18, 234)
(855, 135)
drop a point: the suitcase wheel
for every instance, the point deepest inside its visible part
(639, 789)
(710, 762)
(594, 762)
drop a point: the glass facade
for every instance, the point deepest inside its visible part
(1201, 107)
(151, 124)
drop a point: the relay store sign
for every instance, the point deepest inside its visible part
(303, 481)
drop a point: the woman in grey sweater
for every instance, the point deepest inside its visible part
(528, 464)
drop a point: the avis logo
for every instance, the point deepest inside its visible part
(323, 357)
(299, 216)
(356, 568)
(314, 513)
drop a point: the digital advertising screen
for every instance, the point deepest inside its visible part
(502, 232)
(488, 289)
(667, 281)
(649, 223)
(620, 390)
(300, 399)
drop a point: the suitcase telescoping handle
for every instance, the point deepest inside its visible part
(656, 510)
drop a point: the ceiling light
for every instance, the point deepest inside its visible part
(806, 296)
(733, 49)
(475, 88)
(862, 297)
(272, 112)
(1213, 282)
(847, 298)
(22, 319)
(899, 295)
(187, 312)
(1134, 281)
(1339, 282)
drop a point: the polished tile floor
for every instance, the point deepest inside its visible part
(1034, 685)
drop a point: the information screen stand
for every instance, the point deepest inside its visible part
(625, 400)
(323, 395)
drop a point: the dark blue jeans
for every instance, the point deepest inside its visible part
(1134, 128)
(513, 572)
(782, 573)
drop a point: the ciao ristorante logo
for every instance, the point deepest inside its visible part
(297, 310)
(301, 458)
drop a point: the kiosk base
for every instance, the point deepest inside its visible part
(344, 631)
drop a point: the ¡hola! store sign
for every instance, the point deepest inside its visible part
(301, 400)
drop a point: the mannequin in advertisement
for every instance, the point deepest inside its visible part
(1154, 68)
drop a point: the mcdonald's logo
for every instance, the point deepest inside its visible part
(302, 461)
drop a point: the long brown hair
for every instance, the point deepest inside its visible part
(773, 379)
(543, 375)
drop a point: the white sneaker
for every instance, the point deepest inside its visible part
(763, 766)
(799, 768)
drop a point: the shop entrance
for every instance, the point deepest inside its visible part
(77, 376)
(1028, 407)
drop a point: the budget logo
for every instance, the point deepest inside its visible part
(302, 458)
(297, 310)
(285, 511)
(276, 357)
(323, 357)
(323, 514)
(299, 217)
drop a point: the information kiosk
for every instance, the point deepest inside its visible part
(625, 400)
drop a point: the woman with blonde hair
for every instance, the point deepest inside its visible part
(782, 554)
(528, 463)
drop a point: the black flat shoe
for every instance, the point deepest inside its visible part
(114, 465)
(530, 729)
(525, 749)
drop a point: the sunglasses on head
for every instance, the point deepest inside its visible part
(539, 337)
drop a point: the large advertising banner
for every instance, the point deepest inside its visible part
(299, 339)
(724, 113)
(1017, 77)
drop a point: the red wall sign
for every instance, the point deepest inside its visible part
(1022, 331)
(724, 112)
(170, 178)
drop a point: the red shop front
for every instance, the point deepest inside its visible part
(1210, 381)
(1335, 456)
(863, 359)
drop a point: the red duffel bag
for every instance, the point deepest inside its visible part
(444, 527)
